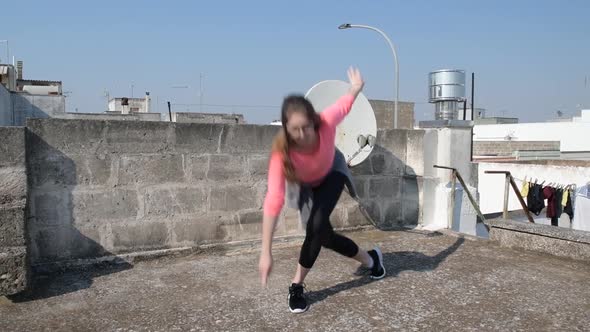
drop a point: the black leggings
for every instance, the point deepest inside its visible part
(319, 231)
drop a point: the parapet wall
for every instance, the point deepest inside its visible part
(13, 194)
(110, 187)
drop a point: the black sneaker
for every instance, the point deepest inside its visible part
(297, 303)
(378, 270)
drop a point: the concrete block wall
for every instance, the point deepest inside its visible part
(189, 117)
(506, 148)
(110, 187)
(36, 106)
(390, 181)
(13, 193)
(111, 116)
(384, 114)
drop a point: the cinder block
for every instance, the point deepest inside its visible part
(12, 146)
(289, 223)
(386, 163)
(384, 187)
(46, 136)
(383, 113)
(392, 211)
(85, 242)
(356, 217)
(51, 208)
(250, 217)
(394, 141)
(12, 227)
(174, 201)
(51, 244)
(138, 137)
(58, 168)
(242, 232)
(13, 185)
(227, 167)
(415, 153)
(233, 198)
(366, 167)
(410, 201)
(13, 270)
(372, 207)
(258, 166)
(197, 137)
(88, 206)
(361, 184)
(151, 169)
(247, 138)
(339, 217)
(145, 235)
(378, 162)
(199, 166)
(199, 230)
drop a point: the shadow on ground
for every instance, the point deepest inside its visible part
(394, 262)
(45, 286)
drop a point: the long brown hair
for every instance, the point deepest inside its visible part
(282, 141)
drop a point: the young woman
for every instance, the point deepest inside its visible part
(304, 156)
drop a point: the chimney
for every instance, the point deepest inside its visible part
(125, 105)
(147, 102)
(19, 69)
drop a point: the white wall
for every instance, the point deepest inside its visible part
(139, 103)
(491, 186)
(584, 116)
(445, 147)
(572, 135)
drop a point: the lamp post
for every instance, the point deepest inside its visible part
(348, 26)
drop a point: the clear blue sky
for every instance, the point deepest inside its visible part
(529, 57)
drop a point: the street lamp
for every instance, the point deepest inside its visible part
(348, 26)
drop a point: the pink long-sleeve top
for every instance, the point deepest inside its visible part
(309, 167)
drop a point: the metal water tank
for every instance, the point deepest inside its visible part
(446, 89)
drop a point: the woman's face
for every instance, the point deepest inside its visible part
(301, 130)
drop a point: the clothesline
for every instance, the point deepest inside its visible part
(575, 201)
(544, 182)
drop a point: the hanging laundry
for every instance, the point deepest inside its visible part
(549, 195)
(558, 198)
(524, 191)
(569, 209)
(582, 209)
(535, 202)
(565, 196)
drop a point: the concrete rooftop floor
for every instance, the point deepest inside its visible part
(435, 282)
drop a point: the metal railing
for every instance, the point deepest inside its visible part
(509, 181)
(454, 177)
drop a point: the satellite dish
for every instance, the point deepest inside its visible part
(357, 133)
